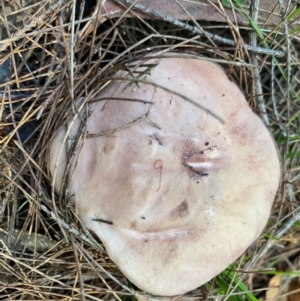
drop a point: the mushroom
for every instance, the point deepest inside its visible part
(175, 194)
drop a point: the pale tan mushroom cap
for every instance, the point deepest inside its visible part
(186, 194)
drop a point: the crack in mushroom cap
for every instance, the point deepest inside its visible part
(177, 195)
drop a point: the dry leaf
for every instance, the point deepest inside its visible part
(273, 292)
(294, 290)
(189, 10)
(197, 10)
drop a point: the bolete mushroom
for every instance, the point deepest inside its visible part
(174, 194)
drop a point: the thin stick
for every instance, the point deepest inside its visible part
(257, 80)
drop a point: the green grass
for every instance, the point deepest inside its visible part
(228, 279)
(22, 205)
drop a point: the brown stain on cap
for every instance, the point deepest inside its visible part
(181, 210)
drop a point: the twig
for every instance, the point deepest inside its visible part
(195, 29)
(288, 60)
(46, 102)
(257, 80)
(66, 226)
(286, 226)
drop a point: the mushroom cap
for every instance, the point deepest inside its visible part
(174, 194)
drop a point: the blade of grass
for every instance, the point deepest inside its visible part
(227, 279)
